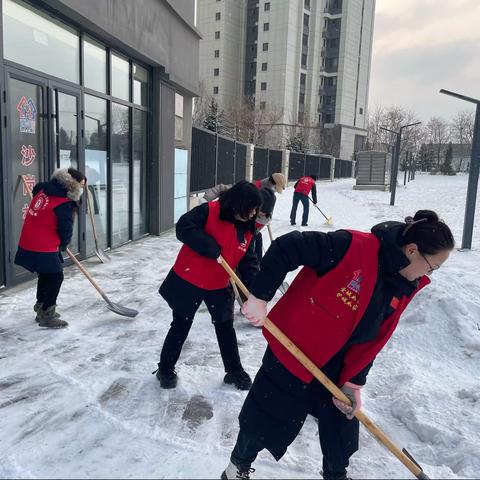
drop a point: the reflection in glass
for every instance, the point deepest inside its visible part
(66, 142)
(26, 141)
(140, 85)
(120, 78)
(139, 173)
(34, 39)
(94, 66)
(120, 158)
(96, 168)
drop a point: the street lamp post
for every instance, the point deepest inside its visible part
(473, 172)
(396, 159)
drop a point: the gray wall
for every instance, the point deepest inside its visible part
(150, 30)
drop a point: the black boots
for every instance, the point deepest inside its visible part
(237, 473)
(49, 318)
(239, 378)
(167, 378)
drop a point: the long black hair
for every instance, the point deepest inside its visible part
(428, 232)
(240, 200)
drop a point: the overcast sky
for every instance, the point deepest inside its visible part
(420, 46)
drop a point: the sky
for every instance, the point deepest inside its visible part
(421, 46)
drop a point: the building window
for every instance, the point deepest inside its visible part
(300, 117)
(306, 20)
(33, 38)
(264, 66)
(307, 4)
(265, 47)
(120, 77)
(266, 27)
(361, 111)
(217, 35)
(262, 105)
(266, 7)
(217, 53)
(140, 85)
(304, 60)
(178, 117)
(94, 65)
(216, 72)
(263, 86)
(217, 16)
(328, 118)
(215, 90)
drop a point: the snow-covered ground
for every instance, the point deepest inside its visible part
(81, 402)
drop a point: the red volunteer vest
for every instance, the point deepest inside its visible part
(205, 272)
(39, 231)
(305, 185)
(258, 184)
(319, 314)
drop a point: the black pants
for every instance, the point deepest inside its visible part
(299, 197)
(338, 436)
(220, 306)
(48, 287)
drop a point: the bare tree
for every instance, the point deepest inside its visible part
(438, 133)
(461, 128)
(201, 106)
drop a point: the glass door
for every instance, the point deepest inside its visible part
(27, 150)
(66, 125)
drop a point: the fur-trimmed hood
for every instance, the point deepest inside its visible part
(65, 180)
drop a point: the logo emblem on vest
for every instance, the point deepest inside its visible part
(349, 295)
(40, 203)
(243, 247)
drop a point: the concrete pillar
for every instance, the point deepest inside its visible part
(332, 169)
(285, 163)
(249, 162)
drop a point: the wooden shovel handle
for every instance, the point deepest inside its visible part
(326, 382)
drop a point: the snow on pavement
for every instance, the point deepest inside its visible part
(81, 402)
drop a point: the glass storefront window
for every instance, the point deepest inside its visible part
(139, 173)
(94, 66)
(32, 38)
(140, 85)
(120, 158)
(120, 78)
(96, 167)
(181, 174)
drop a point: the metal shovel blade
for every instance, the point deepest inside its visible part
(283, 287)
(102, 256)
(121, 310)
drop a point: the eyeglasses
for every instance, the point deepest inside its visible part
(431, 267)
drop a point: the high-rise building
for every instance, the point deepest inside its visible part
(307, 59)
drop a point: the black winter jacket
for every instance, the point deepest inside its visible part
(323, 252)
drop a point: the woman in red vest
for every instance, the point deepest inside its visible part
(47, 231)
(224, 227)
(340, 311)
(303, 187)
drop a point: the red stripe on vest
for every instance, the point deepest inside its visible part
(39, 231)
(319, 314)
(305, 185)
(205, 272)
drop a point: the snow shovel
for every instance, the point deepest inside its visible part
(402, 455)
(236, 293)
(114, 307)
(328, 219)
(101, 254)
(284, 286)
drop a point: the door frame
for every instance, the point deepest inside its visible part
(48, 85)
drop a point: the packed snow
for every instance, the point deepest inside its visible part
(81, 402)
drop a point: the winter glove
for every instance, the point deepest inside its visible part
(63, 248)
(255, 310)
(353, 392)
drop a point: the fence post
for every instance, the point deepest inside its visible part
(285, 163)
(332, 169)
(249, 162)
